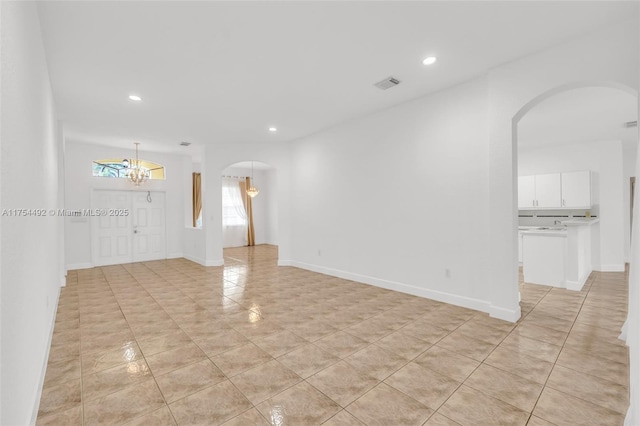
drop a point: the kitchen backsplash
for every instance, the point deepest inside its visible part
(548, 217)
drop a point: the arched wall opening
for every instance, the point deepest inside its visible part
(606, 159)
(241, 212)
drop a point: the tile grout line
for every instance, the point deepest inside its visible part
(591, 282)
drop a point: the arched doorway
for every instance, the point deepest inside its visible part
(579, 127)
(246, 220)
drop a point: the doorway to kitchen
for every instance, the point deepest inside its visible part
(128, 226)
(570, 145)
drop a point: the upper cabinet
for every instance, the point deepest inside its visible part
(548, 191)
(571, 190)
(576, 190)
(540, 191)
(526, 192)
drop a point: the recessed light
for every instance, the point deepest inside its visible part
(135, 98)
(273, 129)
(429, 60)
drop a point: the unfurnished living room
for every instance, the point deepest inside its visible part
(319, 213)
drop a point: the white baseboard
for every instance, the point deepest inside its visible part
(195, 259)
(576, 285)
(175, 256)
(628, 420)
(623, 331)
(219, 262)
(611, 268)
(43, 368)
(453, 299)
(75, 266)
(511, 315)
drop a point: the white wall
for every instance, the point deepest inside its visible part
(631, 334)
(465, 188)
(397, 198)
(31, 269)
(633, 318)
(80, 183)
(518, 86)
(606, 159)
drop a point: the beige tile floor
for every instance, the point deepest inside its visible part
(251, 343)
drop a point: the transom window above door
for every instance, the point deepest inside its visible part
(118, 167)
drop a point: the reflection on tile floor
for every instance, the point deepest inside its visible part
(250, 343)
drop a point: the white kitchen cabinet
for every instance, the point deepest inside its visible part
(540, 191)
(526, 192)
(548, 191)
(576, 190)
(568, 190)
(545, 258)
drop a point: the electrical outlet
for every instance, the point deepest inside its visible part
(447, 273)
(319, 252)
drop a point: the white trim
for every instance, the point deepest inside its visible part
(43, 368)
(84, 265)
(576, 285)
(453, 299)
(504, 314)
(195, 259)
(611, 268)
(175, 256)
(628, 420)
(219, 262)
(623, 331)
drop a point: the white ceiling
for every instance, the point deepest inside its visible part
(223, 72)
(580, 115)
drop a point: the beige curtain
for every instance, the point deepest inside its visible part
(197, 197)
(251, 235)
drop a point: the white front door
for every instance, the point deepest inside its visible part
(148, 226)
(111, 234)
(124, 238)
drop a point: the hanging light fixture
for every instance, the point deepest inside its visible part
(252, 191)
(135, 172)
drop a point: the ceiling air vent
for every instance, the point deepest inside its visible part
(631, 124)
(387, 83)
(185, 143)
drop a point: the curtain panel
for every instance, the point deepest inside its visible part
(251, 235)
(196, 197)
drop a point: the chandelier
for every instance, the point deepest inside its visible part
(135, 172)
(252, 191)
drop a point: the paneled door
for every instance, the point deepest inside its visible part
(148, 226)
(111, 234)
(123, 238)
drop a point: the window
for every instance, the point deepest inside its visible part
(233, 211)
(117, 168)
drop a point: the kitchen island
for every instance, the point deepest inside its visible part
(558, 256)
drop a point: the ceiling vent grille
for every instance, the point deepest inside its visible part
(185, 143)
(387, 83)
(631, 124)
